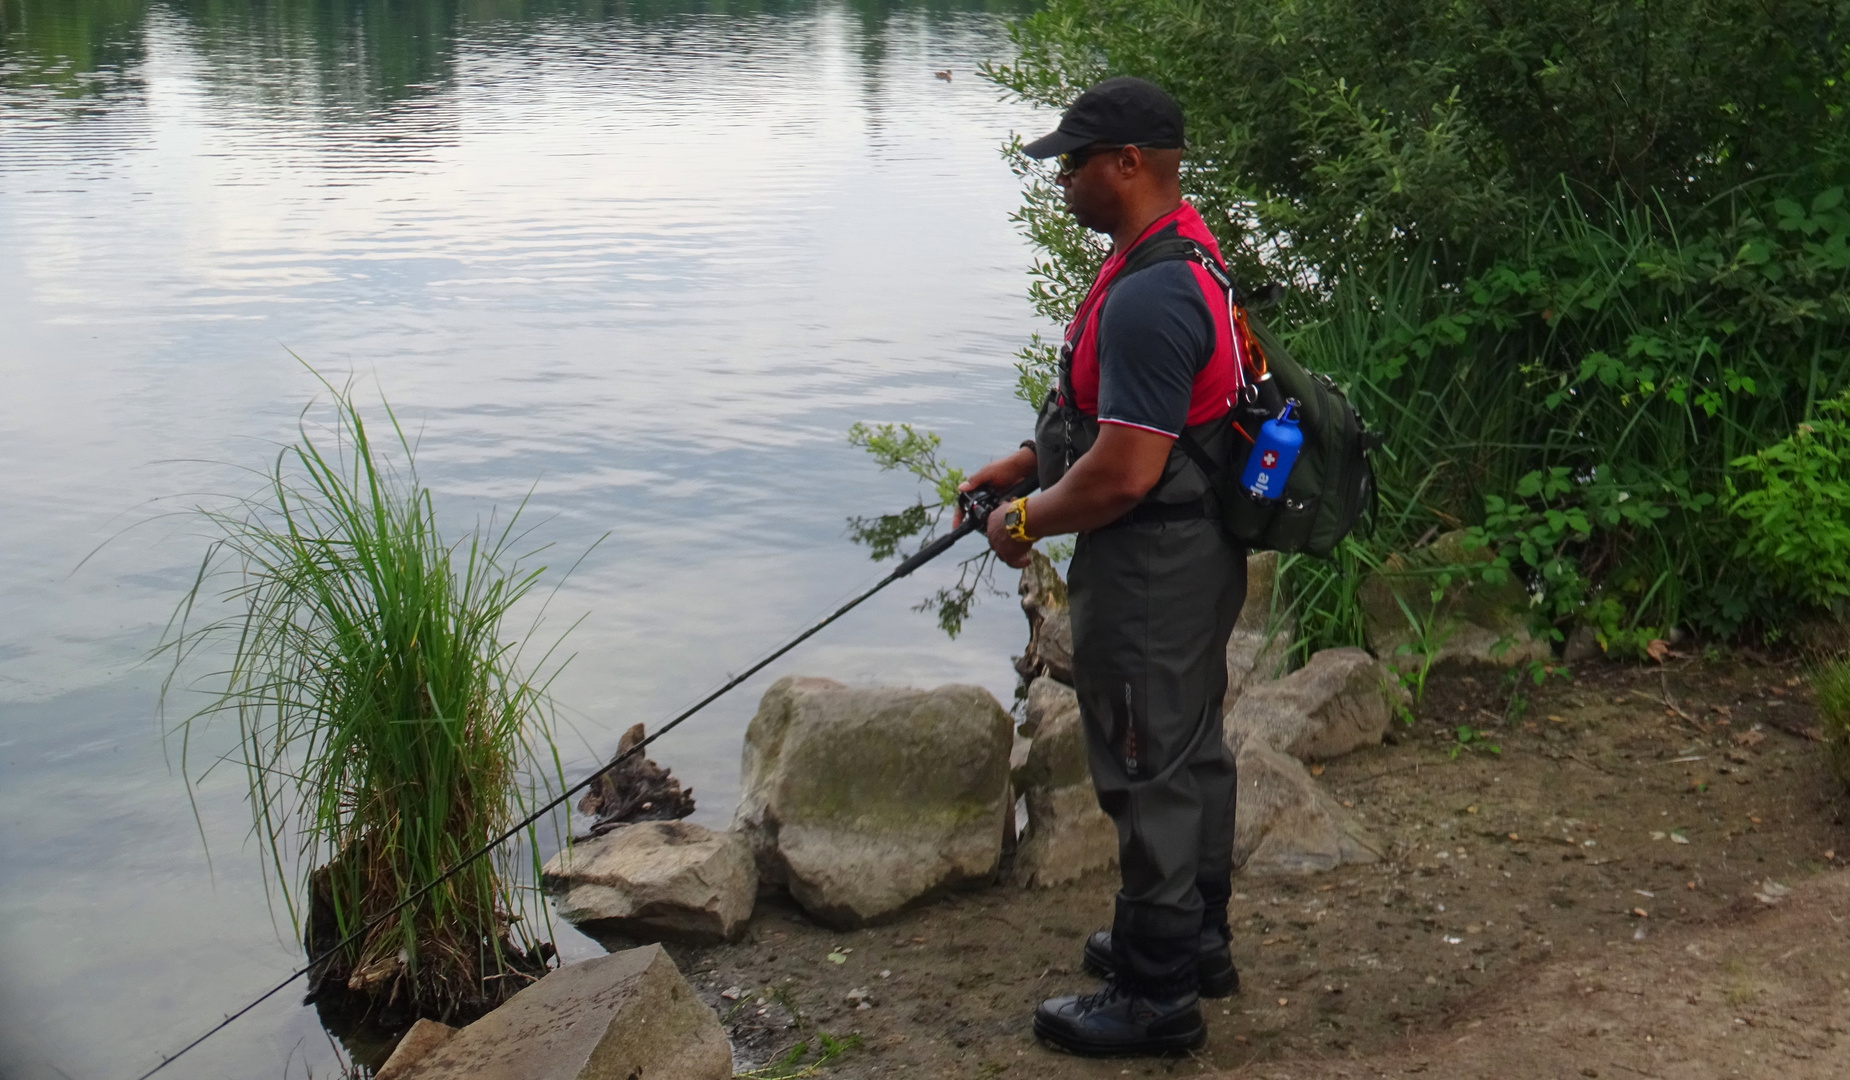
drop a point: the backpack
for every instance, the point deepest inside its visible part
(1332, 484)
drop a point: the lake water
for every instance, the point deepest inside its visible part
(650, 260)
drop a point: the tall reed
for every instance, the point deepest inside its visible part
(385, 726)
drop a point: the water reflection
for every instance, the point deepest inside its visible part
(658, 257)
(354, 56)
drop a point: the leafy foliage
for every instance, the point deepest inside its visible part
(1797, 509)
(1323, 130)
(1555, 252)
(903, 447)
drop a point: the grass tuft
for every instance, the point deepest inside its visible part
(385, 728)
(1831, 684)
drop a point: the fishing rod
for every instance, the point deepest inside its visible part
(975, 506)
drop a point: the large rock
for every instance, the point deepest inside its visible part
(1286, 824)
(1341, 700)
(866, 801)
(1050, 623)
(655, 881)
(416, 1044)
(1260, 648)
(1067, 834)
(626, 1016)
(1471, 623)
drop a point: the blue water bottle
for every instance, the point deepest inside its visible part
(1273, 454)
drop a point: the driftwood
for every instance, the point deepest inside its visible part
(636, 790)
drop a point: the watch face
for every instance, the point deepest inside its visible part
(1012, 519)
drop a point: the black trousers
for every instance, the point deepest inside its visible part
(1153, 606)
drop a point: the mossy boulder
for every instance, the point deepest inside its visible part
(1472, 623)
(865, 801)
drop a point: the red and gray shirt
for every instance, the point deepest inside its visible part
(1155, 350)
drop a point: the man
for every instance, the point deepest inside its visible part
(1155, 585)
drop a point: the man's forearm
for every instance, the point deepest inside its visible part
(1084, 499)
(1106, 481)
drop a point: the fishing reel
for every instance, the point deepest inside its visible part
(977, 504)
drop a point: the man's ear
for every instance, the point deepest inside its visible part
(1131, 162)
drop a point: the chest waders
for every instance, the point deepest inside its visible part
(1154, 597)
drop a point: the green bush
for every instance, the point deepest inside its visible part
(1796, 510)
(1572, 259)
(1322, 130)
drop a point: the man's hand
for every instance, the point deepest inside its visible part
(1001, 475)
(1009, 550)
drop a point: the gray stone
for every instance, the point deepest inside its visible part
(1582, 645)
(1046, 697)
(1018, 754)
(625, 1016)
(656, 881)
(1287, 824)
(1470, 624)
(1057, 756)
(1341, 700)
(1050, 623)
(865, 802)
(1260, 648)
(413, 1047)
(1067, 835)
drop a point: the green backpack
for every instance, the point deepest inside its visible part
(1332, 484)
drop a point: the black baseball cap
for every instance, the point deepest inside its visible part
(1116, 112)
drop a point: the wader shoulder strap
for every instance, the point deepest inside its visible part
(1168, 246)
(1197, 454)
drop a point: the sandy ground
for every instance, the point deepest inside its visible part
(1602, 897)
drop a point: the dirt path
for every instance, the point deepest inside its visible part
(1765, 996)
(1598, 874)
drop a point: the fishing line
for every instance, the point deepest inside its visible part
(976, 507)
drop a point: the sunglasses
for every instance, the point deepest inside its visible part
(1072, 161)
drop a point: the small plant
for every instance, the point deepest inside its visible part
(1465, 737)
(1430, 633)
(1831, 684)
(385, 728)
(790, 1065)
(1537, 673)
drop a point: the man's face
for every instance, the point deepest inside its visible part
(1087, 185)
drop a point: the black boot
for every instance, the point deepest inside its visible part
(1118, 1021)
(1213, 966)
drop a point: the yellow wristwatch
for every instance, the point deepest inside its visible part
(1015, 521)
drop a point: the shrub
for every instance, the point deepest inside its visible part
(1796, 508)
(1556, 253)
(1326, 130)
(384, 728)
